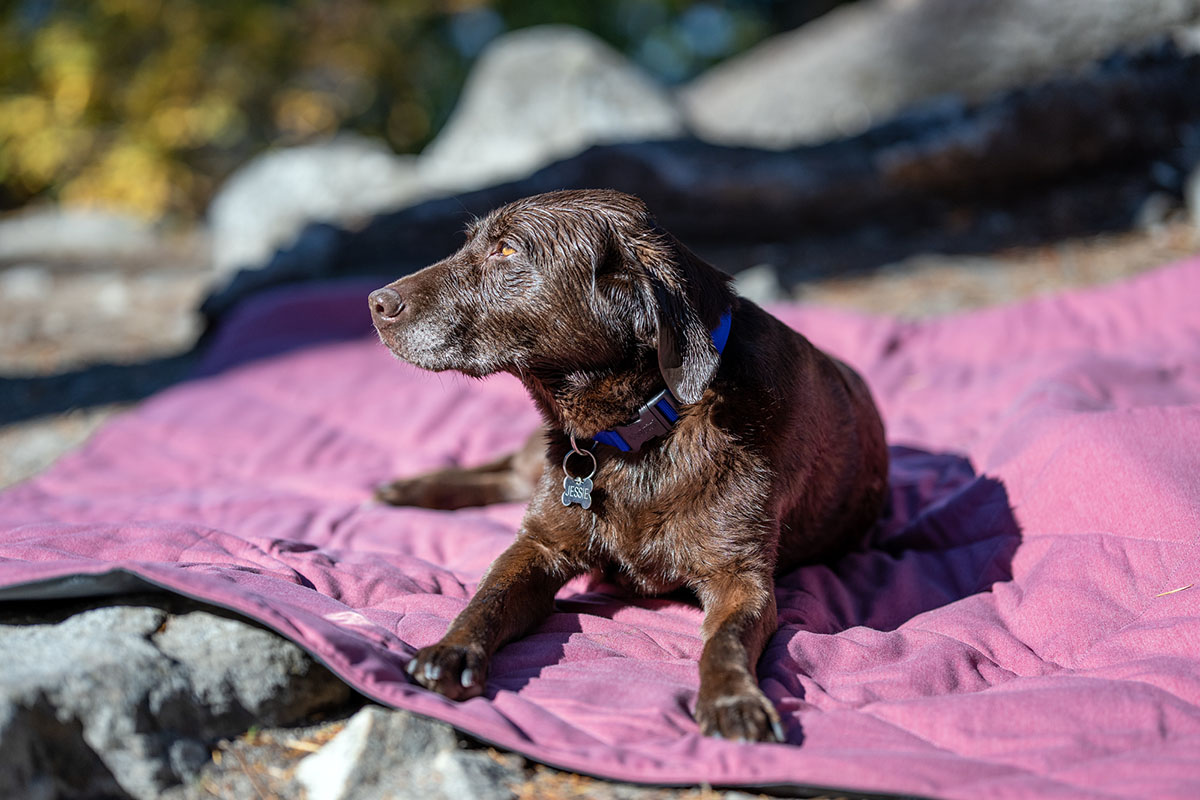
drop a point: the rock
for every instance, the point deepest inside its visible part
(309, 256)
(242, 671)
(112, 702)
(534, 96)
(1191, 196)
(49, 236)
(26, 283)
(53, 234)
(1068, 157)
(760, 284)
(265, 204)
(539, 95)
(395, 754)
(862, 63)
(26, 448)
(1155, 212)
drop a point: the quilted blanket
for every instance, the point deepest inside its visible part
(1024, 622)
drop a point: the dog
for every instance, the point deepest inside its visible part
(691, 439)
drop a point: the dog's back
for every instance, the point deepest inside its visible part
(813, 419)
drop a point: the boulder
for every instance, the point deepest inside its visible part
(539, 95)
(863, 63)
(395, 754)
(52, 234)
(1071, 156)
(126, 700)
(265, 204)
(760, 284)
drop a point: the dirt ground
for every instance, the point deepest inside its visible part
(55, 319)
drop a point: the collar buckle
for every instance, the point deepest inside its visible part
(654, 419)
(658, 416)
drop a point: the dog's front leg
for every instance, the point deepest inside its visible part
(739, 617)
(515, 594)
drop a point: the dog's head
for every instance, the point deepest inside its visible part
(561, 283)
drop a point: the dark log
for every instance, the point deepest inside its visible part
(1072, 156)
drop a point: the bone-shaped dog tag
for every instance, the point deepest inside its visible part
(578, 491)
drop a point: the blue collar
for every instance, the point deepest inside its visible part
(658, 415)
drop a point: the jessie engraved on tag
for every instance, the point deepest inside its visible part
(577, 491)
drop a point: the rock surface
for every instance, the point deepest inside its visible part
(263, 205)
(393, 754)
(761, 284)
(115, 315)
(862, 63)
(535, 96)
(539, 95)
(126, 700)
(66, 234)
(1072, 156)
(276, 762)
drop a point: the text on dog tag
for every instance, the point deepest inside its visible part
(577, 491)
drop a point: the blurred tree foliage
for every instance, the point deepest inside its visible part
(145, 105)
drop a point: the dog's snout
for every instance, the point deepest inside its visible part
(386, 304)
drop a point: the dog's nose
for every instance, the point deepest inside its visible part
(386, 304)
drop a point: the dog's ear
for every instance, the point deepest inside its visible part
(689, 298)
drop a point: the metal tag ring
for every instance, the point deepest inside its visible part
(576, 451)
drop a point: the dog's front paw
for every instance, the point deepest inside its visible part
(745, 715)
(457, 671)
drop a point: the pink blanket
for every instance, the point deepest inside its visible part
(1025, 622)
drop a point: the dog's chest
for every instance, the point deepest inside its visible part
(645, 533)
(651, 559)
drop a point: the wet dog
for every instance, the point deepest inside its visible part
(691, 439)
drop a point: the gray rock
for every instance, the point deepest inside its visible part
(1191, 196)
(1155, 212)
(539, 95)
(760, 284)
(26, 283)
(50, 233)
(862, 63)
(240, 670)
(99, 705)
(266, 203)
(1188, 38)
(395, 754)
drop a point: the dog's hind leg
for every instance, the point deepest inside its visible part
(509, 479)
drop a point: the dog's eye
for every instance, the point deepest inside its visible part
(504, 249)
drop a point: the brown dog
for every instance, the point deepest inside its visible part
(764, 454)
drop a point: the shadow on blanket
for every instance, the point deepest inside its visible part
(947, 534)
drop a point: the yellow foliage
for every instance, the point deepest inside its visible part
(130, 175)
(145, 104)
(22, 115)
(303, 114)
(148, 104)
